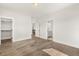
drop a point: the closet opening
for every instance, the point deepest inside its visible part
(50, 30)
(6, 30)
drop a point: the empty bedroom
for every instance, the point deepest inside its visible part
(39, 29)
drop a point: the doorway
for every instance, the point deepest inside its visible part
(6, 30)
(50, 30)
(33, 30)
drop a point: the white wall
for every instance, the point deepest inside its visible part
(66, 26)
(22, 27)
(43, 30)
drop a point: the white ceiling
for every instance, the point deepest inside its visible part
(42, 10)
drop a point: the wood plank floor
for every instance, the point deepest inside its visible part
(30, 47)
(54, 52)
(36, 47)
